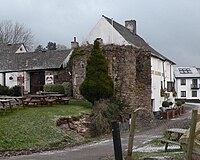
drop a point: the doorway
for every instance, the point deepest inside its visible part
(37, 81)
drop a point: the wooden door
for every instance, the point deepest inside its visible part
(37, 81)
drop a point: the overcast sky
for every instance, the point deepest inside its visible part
(172, 27)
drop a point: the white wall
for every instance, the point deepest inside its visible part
(21, 49)
(187, 88)
(169, 76)
(105, 31)
(1, 78)
(12, 82)
(161, 71)
(157, 78)
(27, 84)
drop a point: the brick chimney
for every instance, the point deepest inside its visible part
(74, 44)
(131, 25)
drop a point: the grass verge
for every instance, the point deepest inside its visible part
(175, 154)
(35, 127)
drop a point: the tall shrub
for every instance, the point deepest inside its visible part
(178, 103)
(4, 90)
(105, 111)
(15, 90)
(67, 88)
(97, 83)
(165, 104)
(54, 88)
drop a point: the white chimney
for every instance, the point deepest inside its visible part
(131, 25)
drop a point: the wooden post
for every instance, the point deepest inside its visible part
(117, 141)
(131, 136)
(191, 135)
(22, 90)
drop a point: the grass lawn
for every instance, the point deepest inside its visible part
(35, 127)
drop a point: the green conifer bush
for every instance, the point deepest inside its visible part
(97, 83)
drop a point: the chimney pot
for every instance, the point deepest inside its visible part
(74, 39)
(74, 44)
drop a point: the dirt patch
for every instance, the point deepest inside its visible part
(78, 124)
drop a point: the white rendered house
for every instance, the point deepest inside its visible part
(11, 77)
(112, 32)
(187, 83)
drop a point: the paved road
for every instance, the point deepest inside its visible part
(89, 152)
(100, 150)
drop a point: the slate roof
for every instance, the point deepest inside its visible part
(10, 61)
(11, 48)
(186, 72)
(135, 39)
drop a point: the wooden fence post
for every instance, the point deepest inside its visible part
(191, 135)
(131, 136)
(117, 141)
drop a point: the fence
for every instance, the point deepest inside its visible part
(191, 153)
(160, 137)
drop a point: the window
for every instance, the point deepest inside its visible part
(170, 86)
(194, 93)
(185, 71)
(194, 84)
(183, 93)
(194, 81)
(183, 81)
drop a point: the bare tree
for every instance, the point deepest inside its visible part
(15, 33)
(61, 47)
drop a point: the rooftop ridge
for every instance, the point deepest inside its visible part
(135, 39)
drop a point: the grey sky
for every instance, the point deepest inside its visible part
(170, 26)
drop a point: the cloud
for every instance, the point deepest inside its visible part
(171, 27)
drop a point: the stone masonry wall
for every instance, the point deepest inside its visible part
(78, 72)
(124, 68)
(61, 75)
(143, 85)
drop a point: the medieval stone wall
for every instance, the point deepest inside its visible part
(122, 68)
(143, 88)
(126, 67)
(143, 79)
(78, 73)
